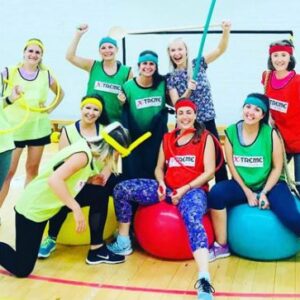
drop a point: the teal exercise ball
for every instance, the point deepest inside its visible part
(259, 235)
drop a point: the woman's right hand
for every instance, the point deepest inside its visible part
(192, 84)
(82, 29)
(251, 198)
(122, 97)
(16, 93)
(79, 219)
(161, 191)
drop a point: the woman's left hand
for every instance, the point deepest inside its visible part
(226, 25)
(177, 194)
(263, 202)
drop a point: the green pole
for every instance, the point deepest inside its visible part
(210, 12)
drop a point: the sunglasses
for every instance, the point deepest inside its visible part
(36, 51)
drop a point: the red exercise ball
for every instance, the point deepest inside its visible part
(160, 231)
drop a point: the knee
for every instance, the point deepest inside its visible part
(23, 272)
(11, 173)
(32, 169)
(215, 198)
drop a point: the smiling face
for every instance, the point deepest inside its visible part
(90, 113)
(33, 54)
(147, 68)
(186, 117)
(178, 53)
(108, 51)
(252, 114)
(280, 60)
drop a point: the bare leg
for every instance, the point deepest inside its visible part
(219, 220)
(201, 258)
(124, 229)
(34, 157)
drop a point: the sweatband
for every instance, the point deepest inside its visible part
(93, 101)
(257, 102)
(148, 57)
(185, 103)
(109, 40)
(34, 42)
(277, 48)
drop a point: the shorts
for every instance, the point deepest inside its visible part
(35, 142)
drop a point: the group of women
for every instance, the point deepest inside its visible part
(174, 166)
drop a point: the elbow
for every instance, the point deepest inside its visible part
(69, 57)
(51, 181)
(211, 174)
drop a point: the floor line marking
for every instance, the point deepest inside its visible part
(154, 290)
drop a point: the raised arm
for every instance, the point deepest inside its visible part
(210, 57)
(80, 62)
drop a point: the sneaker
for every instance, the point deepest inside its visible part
(47, 246)
(205, 289)
(218, 251)
(103, 255)
(121, 245)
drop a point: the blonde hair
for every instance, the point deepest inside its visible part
(172, 65)
(106, 153)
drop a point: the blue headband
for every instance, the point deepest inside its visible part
(109, 40)
(256, 101)
(148, 57)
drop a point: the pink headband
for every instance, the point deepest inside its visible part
(185, 102)
(276, 48)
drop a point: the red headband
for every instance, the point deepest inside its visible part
(288, 49)
(185, 102)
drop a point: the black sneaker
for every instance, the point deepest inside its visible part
(205, 289)
(103, 255)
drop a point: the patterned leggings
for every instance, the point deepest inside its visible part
(192, 206)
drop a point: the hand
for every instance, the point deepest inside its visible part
(122, 97)
(82, 29)
(16, 93)
(178, 193)
(79, 219)
(192, 84)
(251, 198)
(263, 202)
(104, 175)
(161, 191)
(226, 26)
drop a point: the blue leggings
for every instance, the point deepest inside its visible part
(192, 206)
(229, 193)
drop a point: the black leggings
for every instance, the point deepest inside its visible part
(97, 198)
(221, 174)
(21, 261)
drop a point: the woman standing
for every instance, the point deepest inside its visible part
(282, 86)
(107, 76)
(180, 84)
(33, 80)
(255, 158)
(144, 99)
(58, 183)
(185, 164)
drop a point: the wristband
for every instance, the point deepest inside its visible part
(8, 101)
